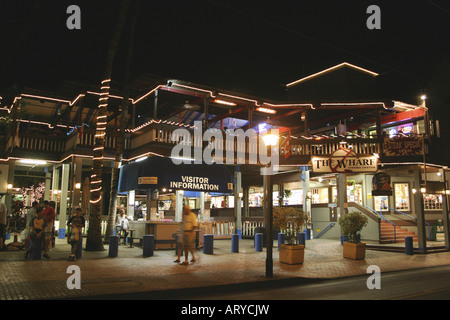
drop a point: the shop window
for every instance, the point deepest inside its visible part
(296, 197)
(380, 203)
(432, 201)
(319, 195)
(401, 197)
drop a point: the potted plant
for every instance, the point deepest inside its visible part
(290, 221)
(352, 224)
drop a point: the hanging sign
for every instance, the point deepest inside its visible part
(345, 160)
(403, 146)
(381, 184)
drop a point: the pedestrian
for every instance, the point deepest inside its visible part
(49, 214)
(189, 227)
(122, 224)
(3, 214)
(38, 224)
(76, 222)
(30, 215)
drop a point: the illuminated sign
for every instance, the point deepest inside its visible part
(345, 161)
(403, 146)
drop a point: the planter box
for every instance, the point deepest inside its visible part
(292, 254)
(355, 251)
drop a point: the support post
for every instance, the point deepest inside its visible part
(419, 208)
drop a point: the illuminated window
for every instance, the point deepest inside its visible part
(401, 197)
(432, 201)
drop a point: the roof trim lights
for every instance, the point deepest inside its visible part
(344, 64)
(227, 103)
(266, 110)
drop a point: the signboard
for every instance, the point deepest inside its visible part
(148, 180)
(381, 184)
(345, 161)
(403, 146)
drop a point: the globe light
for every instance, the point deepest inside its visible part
(270, 139)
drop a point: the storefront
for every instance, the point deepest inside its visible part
(168, 187)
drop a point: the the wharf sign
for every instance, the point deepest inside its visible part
(344, 161)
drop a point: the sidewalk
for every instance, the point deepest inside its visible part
(131, 272)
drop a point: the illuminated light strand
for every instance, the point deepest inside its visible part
(103, 116)
(353, 104)
(266, 110)
(228, 103)
(194, 88)
(95, 190)
(106, 80)
(331, 69)
(96, 201)
(81, 95)
(159, 122)
(146, 95)
(241, 98)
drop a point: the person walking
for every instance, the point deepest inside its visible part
(38, 225)
(49, 214)
(3, 215)
(189, 228)
(76, 223)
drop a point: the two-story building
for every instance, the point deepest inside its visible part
(342, 146)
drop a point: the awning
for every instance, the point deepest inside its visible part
(158, 173)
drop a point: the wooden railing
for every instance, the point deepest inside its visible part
(39, 143)
(249, 225)
(164, 134)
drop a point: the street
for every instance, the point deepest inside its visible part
(422, 284)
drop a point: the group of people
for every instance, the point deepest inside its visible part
(40, 226)
(39, 222)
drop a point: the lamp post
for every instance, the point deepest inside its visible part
(269, 140)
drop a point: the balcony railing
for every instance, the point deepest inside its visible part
(142, 140)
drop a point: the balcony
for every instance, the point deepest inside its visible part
(156, 138)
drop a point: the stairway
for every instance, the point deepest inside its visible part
(387, 233)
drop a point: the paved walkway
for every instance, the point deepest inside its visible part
(131, 272)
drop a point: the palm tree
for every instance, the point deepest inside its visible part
(94, 237)
(120, 140)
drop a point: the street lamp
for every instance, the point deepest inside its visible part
(270, 140)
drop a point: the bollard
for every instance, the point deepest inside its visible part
(235, 242)
(208, 243)
(258, 241)
(409, 245)
(307, 234)
(302, 238)
(36, 246)
(148, 245)
(79, 251)
(61, 233)
(280, 239)
(113, 246)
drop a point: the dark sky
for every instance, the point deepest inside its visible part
(251, 46)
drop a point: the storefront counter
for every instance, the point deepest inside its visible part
(162, 230)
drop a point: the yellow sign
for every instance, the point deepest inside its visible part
(148, 180)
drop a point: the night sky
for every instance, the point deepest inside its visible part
(251, 46)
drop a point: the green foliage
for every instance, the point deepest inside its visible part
(352, 224)
(290, 221)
